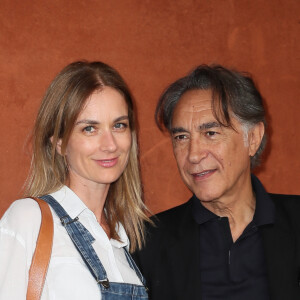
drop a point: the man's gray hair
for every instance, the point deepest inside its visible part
(232, 93)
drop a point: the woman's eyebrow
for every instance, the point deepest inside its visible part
(94, 122)
(87, 121)
(122, 118)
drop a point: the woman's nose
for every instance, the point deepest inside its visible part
(107, 142)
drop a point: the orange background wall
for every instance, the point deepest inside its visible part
(151, 43)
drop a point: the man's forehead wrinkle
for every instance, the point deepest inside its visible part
(200, 105)
(197, 116)
(192, 110)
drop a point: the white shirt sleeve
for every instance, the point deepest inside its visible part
(19, 229)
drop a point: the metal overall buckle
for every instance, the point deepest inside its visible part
(104, 283)
(64, 220)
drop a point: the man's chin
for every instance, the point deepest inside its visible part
(207, 197)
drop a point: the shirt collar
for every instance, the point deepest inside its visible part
(200, 213)
(74, 206)
(264, 210)
(69, 201)
(124, 241)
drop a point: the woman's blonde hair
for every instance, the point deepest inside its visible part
(58, 112)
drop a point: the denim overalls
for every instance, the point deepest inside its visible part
(82, 240)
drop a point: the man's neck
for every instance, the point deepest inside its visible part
(239, 208)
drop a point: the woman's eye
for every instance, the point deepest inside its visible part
(121, 125)
(89, 129)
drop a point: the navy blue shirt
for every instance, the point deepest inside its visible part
(233, 271)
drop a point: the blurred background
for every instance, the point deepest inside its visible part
(151, 43)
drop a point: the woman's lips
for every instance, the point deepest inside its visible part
(107, 163)
(203, 175)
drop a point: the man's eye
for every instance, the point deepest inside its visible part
(89, 129)
(211, 133)
(180, 137)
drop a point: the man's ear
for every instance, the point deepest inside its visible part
(255, 136)
(58, 145)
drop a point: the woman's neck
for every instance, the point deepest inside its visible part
(93, 195)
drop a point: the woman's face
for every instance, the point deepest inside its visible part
(98, 149)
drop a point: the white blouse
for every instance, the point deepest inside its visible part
(67, 277)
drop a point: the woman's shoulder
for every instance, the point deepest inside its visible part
(22, 219)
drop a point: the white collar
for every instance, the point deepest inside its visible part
(74, 206)
(124, 241)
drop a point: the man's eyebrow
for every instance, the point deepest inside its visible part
(177, 130)
(209, 125)
(201, 127)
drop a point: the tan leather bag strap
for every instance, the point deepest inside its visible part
(42, 253)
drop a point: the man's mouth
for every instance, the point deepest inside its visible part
(203, 174)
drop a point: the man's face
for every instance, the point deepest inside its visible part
(214, 161)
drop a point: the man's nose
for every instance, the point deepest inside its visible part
(197, 150)
(107, 142)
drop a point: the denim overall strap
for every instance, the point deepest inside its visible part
(134, 267)
(83, 240)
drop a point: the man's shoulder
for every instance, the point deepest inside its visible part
(287, 208)
(288, 201)
(168, 221)
(173, 217)
(173, 213)
(172, 228)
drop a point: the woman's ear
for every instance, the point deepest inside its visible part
(255, 136)
(58, 145)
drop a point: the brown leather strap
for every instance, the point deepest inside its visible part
(42, 254)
